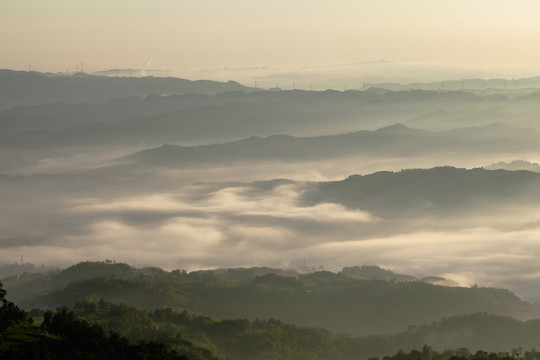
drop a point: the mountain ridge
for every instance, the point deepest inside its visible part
(393, 140)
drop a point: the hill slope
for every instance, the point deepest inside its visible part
(322, 299)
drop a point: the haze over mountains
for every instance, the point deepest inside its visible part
(233, 115)
(394, 141)
(284, 195)
(181, 176)
(261, 312)
(300, 180)
(357, 75)
(28, 88)
(97, 131)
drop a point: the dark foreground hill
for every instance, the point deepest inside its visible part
(242, 339)
(163, 333)
(62, 336)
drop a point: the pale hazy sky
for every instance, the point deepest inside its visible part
(55, 35)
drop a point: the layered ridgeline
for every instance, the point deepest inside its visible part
(189, 115)
(446, 213)
(358, 301)
(29, 88)
(438, 191)
(270, 338)
(252, 312)
(395, 141)
(165, 334)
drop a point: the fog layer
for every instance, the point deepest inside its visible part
(78, 188)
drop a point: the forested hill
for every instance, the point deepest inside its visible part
(62, 336)
(335, 301)
(242, 339)
(166, 334)
(436, 191)
(392, 141)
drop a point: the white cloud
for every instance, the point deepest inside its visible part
(213, 225)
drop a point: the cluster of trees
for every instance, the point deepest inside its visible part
(427, 353)
(227, 338)
(96, 328)
(270, 338)
(358, 301)
(63, 336)
(103, 330)
(257, 309)
(447, 189)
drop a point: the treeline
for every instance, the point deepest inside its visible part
(243, 339)
(358, 301)
(227, 338)
(273, 339)
(447, 189)
(427, 353)
(14, 270)
(102, 330)
(323, 299)
(63, 336)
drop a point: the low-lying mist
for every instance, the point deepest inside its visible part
(94, 181)
(167, 220)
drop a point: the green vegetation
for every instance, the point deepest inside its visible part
(228, 338)
(63, 336)
(242, 339)
(357, 301)
(258, 314)
(440, 191)
(428, 353)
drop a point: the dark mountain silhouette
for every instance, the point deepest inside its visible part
(438, 191)
(392, 141)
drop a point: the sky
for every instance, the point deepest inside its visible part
(57, 35)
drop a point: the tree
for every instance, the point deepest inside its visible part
(9, 312)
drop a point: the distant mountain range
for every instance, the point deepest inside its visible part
(434, 192)
(354, 75)
(30, 88)
(392, 141)
(82, 111)
(152, 120)
(515, 165)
